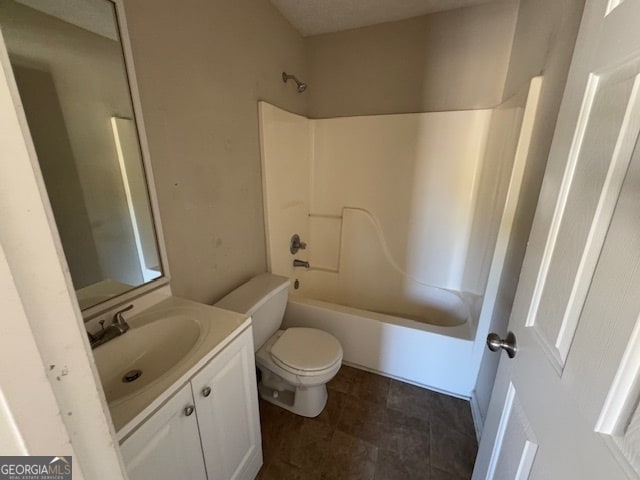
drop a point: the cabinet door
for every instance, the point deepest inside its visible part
(167, 446)
(227, 403)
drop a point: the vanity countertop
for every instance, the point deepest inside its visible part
(202, 333)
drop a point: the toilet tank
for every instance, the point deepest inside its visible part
(264, 298)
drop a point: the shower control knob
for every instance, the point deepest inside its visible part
(206, 391)
(296, 244)
(509, 345)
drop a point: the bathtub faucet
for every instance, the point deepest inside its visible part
(300, 263)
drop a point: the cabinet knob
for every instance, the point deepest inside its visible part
(188, 410)
(206, 391)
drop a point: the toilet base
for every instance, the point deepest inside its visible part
(304, 401)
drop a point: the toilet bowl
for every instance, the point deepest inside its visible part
(295, 364)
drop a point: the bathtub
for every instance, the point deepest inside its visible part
(437, 357)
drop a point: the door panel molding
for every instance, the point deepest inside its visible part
(567, 180)
(622, 154)
(515, 428)
(578, 222)
(619, 421)
(618, 406)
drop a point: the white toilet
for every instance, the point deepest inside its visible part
(295, 363)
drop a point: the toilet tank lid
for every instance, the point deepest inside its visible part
(249, 297)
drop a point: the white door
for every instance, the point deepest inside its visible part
(167, 445)
(227, 404)
(566, 406)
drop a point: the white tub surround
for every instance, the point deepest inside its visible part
(401, 189)
(406, 220)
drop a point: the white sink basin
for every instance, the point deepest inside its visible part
(150, 350)
(165, 343)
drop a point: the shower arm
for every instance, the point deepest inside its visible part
(286, 76)
(300, 86)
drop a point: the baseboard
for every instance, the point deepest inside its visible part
(478, 420)
(405, 380)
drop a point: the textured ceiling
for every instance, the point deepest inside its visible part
(312, 17)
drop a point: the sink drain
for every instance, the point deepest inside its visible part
(131, 375)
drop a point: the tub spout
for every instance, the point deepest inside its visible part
(300, 263)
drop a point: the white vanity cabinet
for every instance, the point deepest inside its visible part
(212, 421)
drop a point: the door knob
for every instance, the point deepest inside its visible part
(509, 345)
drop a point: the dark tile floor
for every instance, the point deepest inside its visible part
(373, 428)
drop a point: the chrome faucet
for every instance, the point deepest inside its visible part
(118, 320)
(300, 263)
(119, 326)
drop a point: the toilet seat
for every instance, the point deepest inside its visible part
(306, 351)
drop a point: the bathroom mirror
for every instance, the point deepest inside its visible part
(70, 70)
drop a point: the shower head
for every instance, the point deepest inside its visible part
(300, 86)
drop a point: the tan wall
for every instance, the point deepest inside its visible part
(543, 44)
(453, 60)
(201, 66)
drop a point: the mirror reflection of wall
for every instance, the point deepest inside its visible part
(70, 72)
